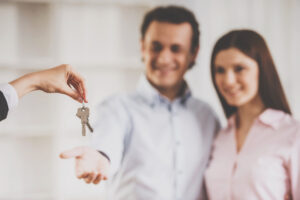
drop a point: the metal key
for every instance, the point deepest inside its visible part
(83, 114)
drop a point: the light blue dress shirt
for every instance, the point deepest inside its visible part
(158, 149)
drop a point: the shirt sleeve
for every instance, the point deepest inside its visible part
(10, 94)
(295, 168)
(212, 119)
(111, 127)
(3, 107)
(9, 99)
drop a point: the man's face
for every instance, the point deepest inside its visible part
(166, 50)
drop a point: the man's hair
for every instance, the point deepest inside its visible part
(174, 15)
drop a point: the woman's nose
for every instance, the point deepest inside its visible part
(229, 78)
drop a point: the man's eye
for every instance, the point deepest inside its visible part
(175, 48)
(156, 47)
(220, 70)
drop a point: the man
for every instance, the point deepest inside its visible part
(59, 79)
(154, 143)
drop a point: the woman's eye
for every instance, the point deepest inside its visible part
(220, 70)
(239, 68)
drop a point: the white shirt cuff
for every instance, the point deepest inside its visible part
(10, 95)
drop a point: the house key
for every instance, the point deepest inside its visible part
(83, 114)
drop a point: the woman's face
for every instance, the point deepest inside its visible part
(236, 76)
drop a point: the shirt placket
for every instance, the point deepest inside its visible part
(233, 167)
(233, 173)
(238, 157)
(178, 168)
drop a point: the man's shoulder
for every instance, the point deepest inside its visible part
(202, 108)
(199, 104)
(120, 99)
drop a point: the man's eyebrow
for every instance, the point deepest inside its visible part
(176, 44)
(155, 42)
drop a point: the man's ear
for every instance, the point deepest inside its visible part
(142, 46)
(195, 53)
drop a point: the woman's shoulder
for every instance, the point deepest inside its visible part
(283, 125)
(278, 119)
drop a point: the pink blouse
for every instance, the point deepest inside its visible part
(267, 166)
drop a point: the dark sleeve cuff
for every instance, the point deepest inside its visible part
(104, 154)
(3, 107)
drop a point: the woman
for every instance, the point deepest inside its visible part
(257, 156)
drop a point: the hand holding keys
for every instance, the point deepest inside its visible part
(83, 113)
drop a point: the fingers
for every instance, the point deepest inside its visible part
(77, 81)
(97, 179)
(69, 82)
(83, 175)
(92, 177)
(75, 152)
(72, 93)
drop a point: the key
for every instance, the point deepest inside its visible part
(89, 126)
(83, 114)
(86, 111)
(80, 113)
(83, 128)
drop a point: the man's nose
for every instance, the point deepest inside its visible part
(164, 57)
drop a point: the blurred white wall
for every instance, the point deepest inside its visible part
(100, 38)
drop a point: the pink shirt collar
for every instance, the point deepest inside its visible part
(270, 117)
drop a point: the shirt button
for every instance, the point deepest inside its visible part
(177, 143)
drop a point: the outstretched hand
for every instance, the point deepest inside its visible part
(90, 164)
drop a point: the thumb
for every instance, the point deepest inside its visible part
(75, 152)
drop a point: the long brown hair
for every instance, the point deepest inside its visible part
(253, 45)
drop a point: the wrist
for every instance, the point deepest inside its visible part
(34, 79)
(24, 84)
(104, 154)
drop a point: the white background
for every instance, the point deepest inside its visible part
(100, 38)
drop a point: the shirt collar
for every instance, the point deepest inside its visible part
(230, 122)
(270, 117)
(153, 97)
